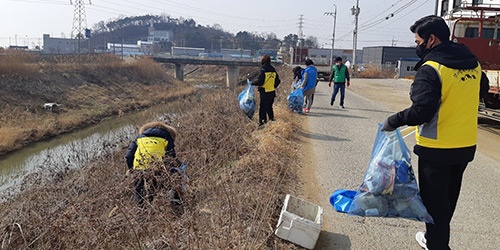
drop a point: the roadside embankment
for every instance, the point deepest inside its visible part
(238, 177)
(84, 89)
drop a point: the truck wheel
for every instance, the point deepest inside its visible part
(492, 101)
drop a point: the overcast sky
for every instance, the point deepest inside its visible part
(24, 22)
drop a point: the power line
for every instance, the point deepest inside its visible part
(41, 1)
(369, 25)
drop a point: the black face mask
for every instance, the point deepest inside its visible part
(421, 49)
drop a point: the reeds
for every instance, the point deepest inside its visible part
(238, 177)
(88, 88)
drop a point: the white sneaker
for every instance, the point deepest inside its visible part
(420, 237)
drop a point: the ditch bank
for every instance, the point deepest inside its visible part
(79, 91)
(238, 177)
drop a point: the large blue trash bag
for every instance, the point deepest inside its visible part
(296, 100)
(341, 199)
(389, 188)
(246, 99)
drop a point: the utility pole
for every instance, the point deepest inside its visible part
(334, 14)
(355, 11)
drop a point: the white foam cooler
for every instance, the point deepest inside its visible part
(299, 222)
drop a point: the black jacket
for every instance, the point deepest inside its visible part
(425, 94)
(266, 67)
(155, 129)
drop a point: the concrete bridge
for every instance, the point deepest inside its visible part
(232, 66)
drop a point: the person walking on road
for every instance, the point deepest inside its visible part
(339, 76)
(445, 96)
(268, 80)
(309, 81)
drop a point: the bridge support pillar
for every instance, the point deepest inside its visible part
(232, 75)
(179, 71)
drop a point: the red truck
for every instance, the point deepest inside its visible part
(477, 26)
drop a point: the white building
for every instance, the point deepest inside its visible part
(52, 45)
(157, 36)
(124, 49)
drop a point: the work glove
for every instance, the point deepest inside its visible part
(387, 127)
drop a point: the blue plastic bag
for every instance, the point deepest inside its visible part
(389, 188)
(246, 100)
(296, 100)
(341, 200)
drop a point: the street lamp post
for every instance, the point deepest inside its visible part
(334, 14)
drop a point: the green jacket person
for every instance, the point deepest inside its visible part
(339, 76)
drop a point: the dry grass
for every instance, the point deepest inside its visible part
(89, 88)
(375, 72)
(238, 177)
(17, 63)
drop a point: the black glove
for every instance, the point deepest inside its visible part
(387, 127)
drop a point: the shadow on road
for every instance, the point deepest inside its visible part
(374, 110)
(328, 240)
(324, 114)
(322, 137)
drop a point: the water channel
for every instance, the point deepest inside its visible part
(74, 149)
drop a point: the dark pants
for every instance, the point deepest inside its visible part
(439, 187)
(144, 190)
(336, 88)
(266, 107)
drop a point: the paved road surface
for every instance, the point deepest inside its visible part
(338, 146)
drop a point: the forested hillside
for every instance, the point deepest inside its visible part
(187, 33)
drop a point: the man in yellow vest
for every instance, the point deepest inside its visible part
(445, 97)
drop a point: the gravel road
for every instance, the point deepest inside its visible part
(337, 148)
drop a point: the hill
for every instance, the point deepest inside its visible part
(187, 33)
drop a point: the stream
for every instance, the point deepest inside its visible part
(75, 149)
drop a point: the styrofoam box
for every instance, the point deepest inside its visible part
(300, 222)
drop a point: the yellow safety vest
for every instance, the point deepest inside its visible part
(149, 150)
(455, 123)
(269, 81)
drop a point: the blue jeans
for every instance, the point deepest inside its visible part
(336, 88)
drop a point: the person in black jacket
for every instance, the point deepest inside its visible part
(445, 97)
(153, 149)
(268, 80)
(297, 76)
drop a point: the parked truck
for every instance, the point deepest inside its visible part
(477, 26)
(320, 57)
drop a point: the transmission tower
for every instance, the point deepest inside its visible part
(79, 19)
(301, 33)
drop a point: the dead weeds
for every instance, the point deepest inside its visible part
(88, 88)
(238, 177)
